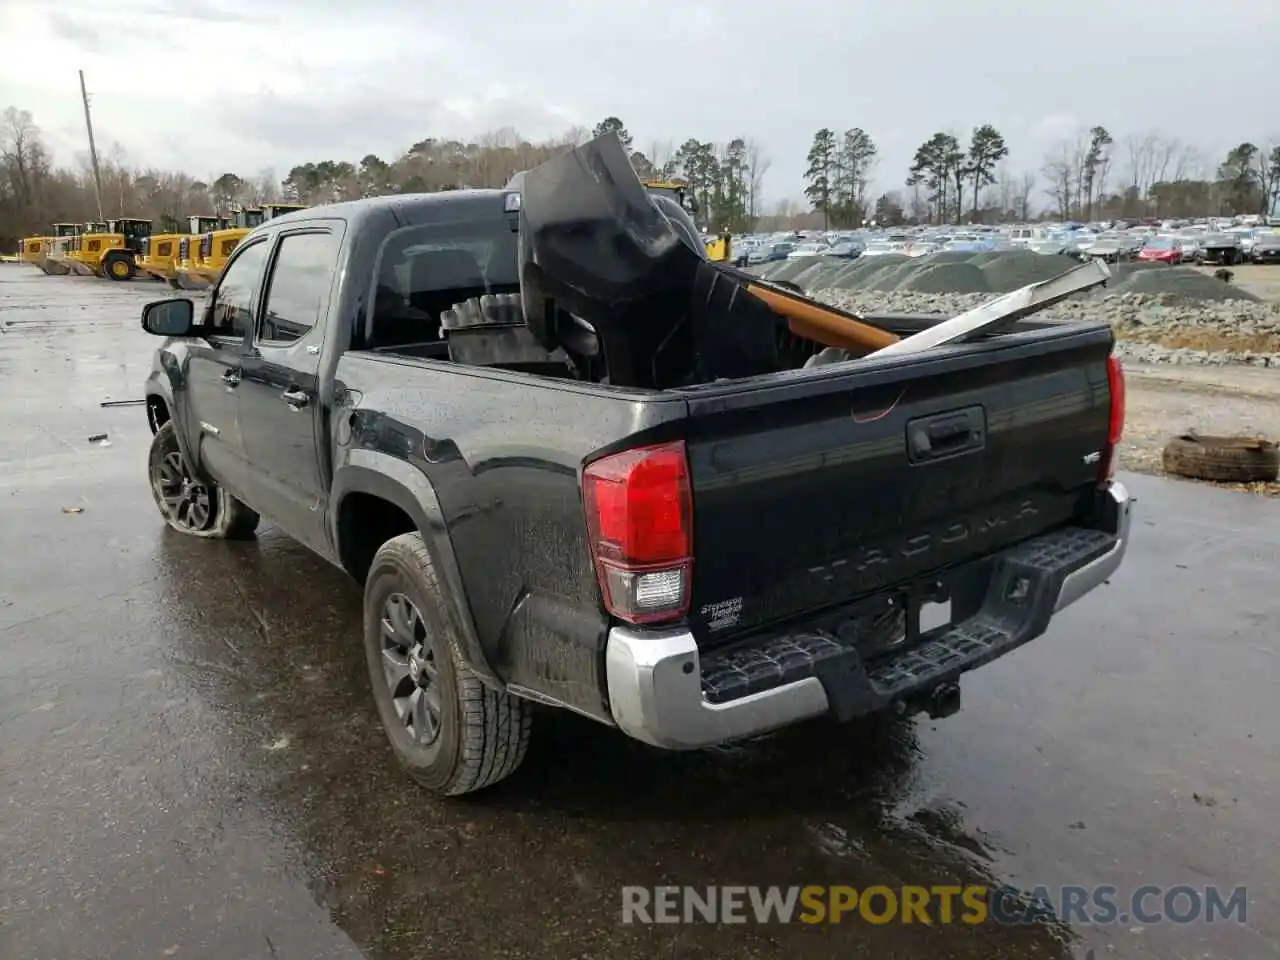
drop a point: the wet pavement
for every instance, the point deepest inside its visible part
(191, 765)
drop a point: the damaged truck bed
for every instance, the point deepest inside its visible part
(575, 464)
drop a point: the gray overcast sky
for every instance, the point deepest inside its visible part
(251, 84)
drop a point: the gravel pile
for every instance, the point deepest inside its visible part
(994, 272)
(1161, 314)
(1139, 319)
(1186, 282)
(1134, 352)
(1016, 268)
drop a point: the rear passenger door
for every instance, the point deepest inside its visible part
(280, 412)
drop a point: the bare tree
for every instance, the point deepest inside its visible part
(758, 164)
(662, 156)
(17, 134)
(1151, 159)
(1080, 167)
(918, 204)
(1101, 174)
(1268, 161)
(1187, 164)
(1061, 170)
(1026, 187)
(1005, 189)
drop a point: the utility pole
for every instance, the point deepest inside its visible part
(93, 150)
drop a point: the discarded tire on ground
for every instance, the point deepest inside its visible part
(1224, 459)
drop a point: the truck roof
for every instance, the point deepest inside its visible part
(409, 208)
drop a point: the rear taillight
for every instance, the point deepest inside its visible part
(639, 507)
(1115, 424)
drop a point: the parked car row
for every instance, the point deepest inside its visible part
(1208, 243)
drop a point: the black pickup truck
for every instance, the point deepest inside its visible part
(693, 564)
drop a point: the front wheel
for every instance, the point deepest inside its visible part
(119, 266)
(450, 732)
(190, 505)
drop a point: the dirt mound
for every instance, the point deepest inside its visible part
(954, 277)
(1012, 269)
(1185, 282)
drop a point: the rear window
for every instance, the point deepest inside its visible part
(424, 270)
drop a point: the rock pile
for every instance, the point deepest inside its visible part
(1161, 314)
(996, 272)
(1226, 329)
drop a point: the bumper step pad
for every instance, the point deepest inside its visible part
(1022, 588)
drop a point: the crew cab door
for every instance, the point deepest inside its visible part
(280, 411)
(215, 369)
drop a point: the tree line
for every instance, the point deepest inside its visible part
(1086, 177)
(1092, 175)
(724, 178)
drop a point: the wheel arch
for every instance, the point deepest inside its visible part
(375, 497)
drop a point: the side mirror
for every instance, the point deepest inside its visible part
(169, 318)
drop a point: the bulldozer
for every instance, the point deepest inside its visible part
(56, 258)
(720, 247)
(111, 249)
(205, 258)
(161, 251)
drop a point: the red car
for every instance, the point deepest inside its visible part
(1162, 250)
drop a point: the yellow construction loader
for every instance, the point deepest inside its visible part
(33, 250)
(202, 264)
(161, 251)
(111, 249)
(56, 259)
(719, 248)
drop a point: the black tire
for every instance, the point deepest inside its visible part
(119, 266)
(479, 735)
(1222, 459)
(193, 507)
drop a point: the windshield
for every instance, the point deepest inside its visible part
(1159, 243)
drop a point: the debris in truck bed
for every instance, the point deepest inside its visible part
(595, 247)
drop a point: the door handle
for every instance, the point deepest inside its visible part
(295, 398)
(231, 379)
(946, 434)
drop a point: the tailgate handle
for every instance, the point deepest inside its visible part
(946, 434)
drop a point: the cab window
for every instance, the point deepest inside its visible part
(231, 314)
(299, 286)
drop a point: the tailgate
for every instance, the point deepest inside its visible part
(842, 481)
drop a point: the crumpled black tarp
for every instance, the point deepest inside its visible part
(595, 244)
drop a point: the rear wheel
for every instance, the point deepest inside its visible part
(450, 732)
(119, 266)
(189, 504)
